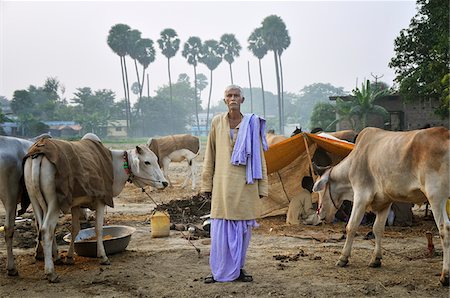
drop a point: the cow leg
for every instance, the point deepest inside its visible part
(378, 231)
(352, 225)
(99, 216)
(443, 223)
(194, 173)
(11, 208)
(47, 236)
(75, 230)
(165, 169)
(190, 175)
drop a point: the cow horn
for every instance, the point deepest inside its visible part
(318, 170)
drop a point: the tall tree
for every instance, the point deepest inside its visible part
(191, 51)
(146, 55)
(285, 42)
(274, 34)
(133, 51)
(421, 58)
(94, 108)
(211, 56)
(231, 49)
(259, 48)
(117, 41)
(169, 43)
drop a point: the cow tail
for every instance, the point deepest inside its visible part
(41, 207)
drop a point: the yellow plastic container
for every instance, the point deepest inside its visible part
(448, 208)
(160, 224)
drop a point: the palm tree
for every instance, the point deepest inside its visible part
(169, 43)
(202, 83)
(364, 103)
(231, 48)
(191, 51)
(259, 48)
(146, 55)
(273, 33)
(133, 37)
(117, 41)
(285, 42)
(211, 56)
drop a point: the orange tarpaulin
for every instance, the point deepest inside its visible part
(283, 153)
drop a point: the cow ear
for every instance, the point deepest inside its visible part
(319, 185)
(139, 150)
(322, 182)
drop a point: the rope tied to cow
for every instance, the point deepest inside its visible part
(184, 236)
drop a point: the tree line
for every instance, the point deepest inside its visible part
(272, 35)
(420, 63)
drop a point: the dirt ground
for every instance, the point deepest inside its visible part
(285, 261)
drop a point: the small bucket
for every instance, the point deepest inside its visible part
(160, 224)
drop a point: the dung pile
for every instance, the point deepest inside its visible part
(187, 210)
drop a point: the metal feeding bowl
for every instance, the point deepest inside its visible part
(115, 239)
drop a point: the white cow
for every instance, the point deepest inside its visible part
(177, 148)
(12, 191)
(388, 166)
(43, 182)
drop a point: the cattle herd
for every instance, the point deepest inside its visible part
(60, 176)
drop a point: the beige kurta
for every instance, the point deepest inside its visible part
(232, 197)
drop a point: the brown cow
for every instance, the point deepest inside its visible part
(384, 167)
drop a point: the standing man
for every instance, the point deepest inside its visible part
(235, 175)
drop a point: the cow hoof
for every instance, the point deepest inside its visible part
(342, 263)
(13, 272)
(376, 263)
(69, 261)
(105, 262)
(444, 280)
(53, 277)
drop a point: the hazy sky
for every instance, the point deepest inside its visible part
(335, 42)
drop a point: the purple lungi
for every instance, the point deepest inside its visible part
(229, 243)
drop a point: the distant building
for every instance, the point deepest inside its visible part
(116, 129)
(402, 115)
(63, 129)
(193, 129)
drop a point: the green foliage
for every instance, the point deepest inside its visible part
(145, 52)
(153, 117)
(324, 116)
(192, 49)
(94, 109)
(117, 39)
(211, 54)
(169, 43)
(231, 47)
(361, 105)
(256, 44)
(422, 54)
(308, 97)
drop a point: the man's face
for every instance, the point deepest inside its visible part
(233, 99)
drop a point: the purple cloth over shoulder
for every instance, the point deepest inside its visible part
(246, 150)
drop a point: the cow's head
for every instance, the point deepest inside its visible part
(145, 168)
(331, 195)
